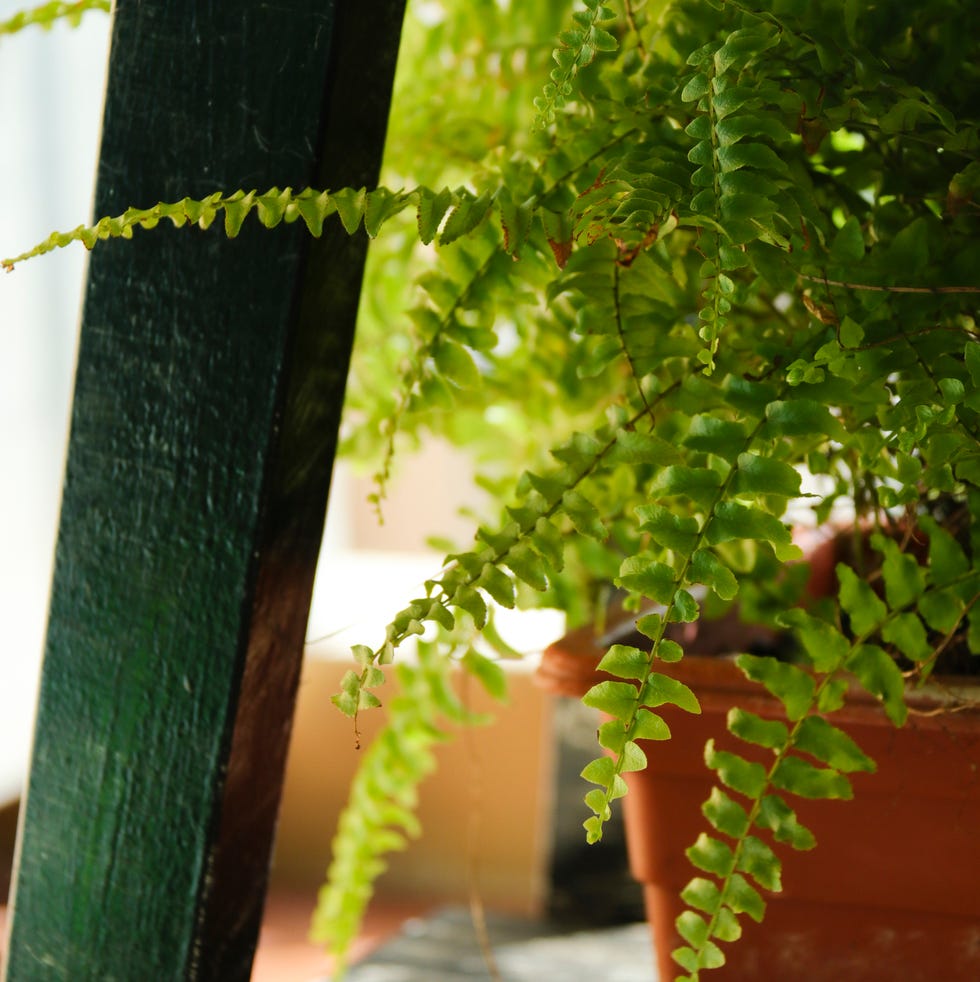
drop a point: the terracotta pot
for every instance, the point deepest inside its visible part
(892, 891)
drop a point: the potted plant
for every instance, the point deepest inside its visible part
(722, 284)
(863, 905)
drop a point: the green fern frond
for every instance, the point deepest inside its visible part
(458, 211)
(446, 344)
(455, 325)
(690, 556)
(735, 152)
(577, 49)
(380, 814)
(48, 14)
(742, 864)
(812, 757)
(528, 549)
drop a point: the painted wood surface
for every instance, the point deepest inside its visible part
(207, 400)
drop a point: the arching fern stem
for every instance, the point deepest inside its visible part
(48, 14)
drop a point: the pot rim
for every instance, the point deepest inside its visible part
(568, 667)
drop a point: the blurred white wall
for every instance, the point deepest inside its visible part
(51, 86)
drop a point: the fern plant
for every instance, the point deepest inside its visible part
(703, 265)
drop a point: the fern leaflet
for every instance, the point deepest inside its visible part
(46, 15)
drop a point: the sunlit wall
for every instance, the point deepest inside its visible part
(51, 85)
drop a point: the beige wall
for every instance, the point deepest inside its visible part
(489, 802)
(424, 498)
(486, 806)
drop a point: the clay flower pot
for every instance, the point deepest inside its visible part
(892, 890)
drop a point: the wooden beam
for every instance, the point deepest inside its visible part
(207, 401)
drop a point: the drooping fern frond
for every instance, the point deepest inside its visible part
(684, 291)
(527, 548)
(811, 756)
(577, 48)
(452, 329)
(48, 14)
(380, 814)
(686, 549)
(486, 277)
(739, 169)
(442, 215)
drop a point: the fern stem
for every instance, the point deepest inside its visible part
(412, 377)
(617, 309)
(935, 290)
(48, 14)
(634, 30)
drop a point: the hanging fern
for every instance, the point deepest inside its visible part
(380, 817)
(811, 757)
(577, 48)
(739, 249)
(691, 547)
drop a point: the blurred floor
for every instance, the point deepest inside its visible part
(403, 941)
(443, 947)
(285, 954)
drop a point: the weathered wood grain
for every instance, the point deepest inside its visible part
(207, 400)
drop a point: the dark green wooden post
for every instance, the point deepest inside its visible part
(207, 398)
